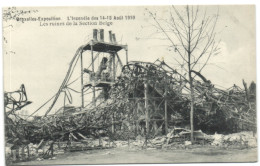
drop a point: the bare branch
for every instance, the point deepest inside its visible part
(213, 51)
(159, 25)
(181, 19)
(179, 35)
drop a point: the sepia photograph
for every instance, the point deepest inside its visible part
(155, 84)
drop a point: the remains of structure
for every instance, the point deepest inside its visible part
(128, 101)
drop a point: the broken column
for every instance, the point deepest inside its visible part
(95, 33)
(101, 32)
(110, 36)
(114, 38)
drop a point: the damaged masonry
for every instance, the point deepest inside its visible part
(138, 104)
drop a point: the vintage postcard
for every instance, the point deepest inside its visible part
(129, 84)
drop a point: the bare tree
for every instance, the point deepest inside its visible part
(191, 33)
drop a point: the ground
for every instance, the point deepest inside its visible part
(120, 155)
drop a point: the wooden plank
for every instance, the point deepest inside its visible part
(82, 136)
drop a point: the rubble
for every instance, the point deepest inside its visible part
(140, 109)
(246, 139)
(159, 141)
(186, 143)
(218, 139)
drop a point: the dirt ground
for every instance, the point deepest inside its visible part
(120, 156)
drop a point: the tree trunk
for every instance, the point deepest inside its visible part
(191, 107)
(147, 116)
(191, 115)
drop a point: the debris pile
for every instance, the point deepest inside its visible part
(178, 138)
(47, 150)
(138, 108)
(246, 139)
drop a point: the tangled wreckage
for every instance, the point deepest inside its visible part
(131, 101)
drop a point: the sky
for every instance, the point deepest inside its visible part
(43, 53)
